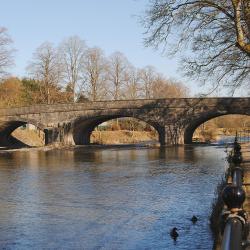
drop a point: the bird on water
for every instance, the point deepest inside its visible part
(194, 219)
(173, 233)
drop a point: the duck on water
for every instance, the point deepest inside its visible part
(194, 219)
(173, 233)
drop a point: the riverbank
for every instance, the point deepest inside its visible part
(29, 137)
(218, 205)
(218, 134)
(122, 137)
(34, 138)
(246, 183)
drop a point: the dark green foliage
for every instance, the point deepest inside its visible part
(30, 91)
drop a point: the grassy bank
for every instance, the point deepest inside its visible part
(122, 137)
(32, 138)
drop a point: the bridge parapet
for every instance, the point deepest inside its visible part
(174, 103)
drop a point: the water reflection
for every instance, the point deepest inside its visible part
(91, 198)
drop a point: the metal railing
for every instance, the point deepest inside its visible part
(235, 226)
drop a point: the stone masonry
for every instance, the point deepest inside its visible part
(175, 119)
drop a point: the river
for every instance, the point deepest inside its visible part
(108, 198)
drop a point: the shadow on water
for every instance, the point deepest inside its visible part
(13, 143)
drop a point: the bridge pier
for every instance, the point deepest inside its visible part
(188, 135)
(60, 134)
(51, 135)
(171, 135)
(82, 136)
(162, 136)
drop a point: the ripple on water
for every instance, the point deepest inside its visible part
(126, 198)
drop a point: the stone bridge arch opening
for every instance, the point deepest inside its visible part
(115, 130)
(221, 128)
(21, 133)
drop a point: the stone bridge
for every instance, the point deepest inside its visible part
(175, 120)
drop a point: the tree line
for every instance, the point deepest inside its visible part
(75, 72)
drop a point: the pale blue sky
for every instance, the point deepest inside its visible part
(109, 24)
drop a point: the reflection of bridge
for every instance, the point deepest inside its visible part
(174, 119)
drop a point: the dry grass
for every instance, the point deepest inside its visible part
(29, 137)
(122, 137)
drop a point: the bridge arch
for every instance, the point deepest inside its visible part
(196, 122)
(83, 128)
(10, 125)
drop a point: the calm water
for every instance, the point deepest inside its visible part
(107, 198)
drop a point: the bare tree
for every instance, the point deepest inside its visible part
(133, 84)
(47, 69)
(132, 90)
(95, 73)
(218, 32)
(166, 88)
(6, 52)
(148, 76)
(72, 52)
(118, 67)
